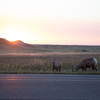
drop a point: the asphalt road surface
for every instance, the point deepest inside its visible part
(49, 87)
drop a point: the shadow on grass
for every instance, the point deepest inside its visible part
(69, 73)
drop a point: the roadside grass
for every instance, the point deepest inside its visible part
(24, 64)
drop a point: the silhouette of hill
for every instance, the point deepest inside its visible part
(19, 46)
(14, 45)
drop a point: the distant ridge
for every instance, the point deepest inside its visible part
(19, 46)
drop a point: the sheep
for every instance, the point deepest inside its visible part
(56, 66)
(86, 63)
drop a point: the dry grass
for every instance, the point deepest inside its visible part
(42, 63)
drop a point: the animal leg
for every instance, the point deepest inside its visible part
(59, 69)
(96, 69)
(53, 69)
(85, 69)
(82, 70)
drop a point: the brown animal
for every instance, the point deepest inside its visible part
(56, 66)
(86, 63)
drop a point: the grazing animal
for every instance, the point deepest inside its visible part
(86, 63)
(56, 66)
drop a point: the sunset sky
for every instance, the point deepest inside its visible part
(51, 21)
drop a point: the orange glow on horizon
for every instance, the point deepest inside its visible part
(14, 33)
(51, 21)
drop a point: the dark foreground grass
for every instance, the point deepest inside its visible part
(69, 73)
(42, 64)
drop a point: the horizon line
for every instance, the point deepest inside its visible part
(54, 43)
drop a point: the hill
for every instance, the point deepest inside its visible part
(14, 46)
(21, 47)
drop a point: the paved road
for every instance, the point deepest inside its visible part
(49, 87)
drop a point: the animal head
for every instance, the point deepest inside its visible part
(74, 68)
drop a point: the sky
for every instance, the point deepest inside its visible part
(73, 22)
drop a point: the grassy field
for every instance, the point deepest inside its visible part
(41, 62)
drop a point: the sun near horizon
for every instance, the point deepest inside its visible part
(13, 34)
(51, 21)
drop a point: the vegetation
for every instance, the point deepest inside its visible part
(20, 57)
(42, 63)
